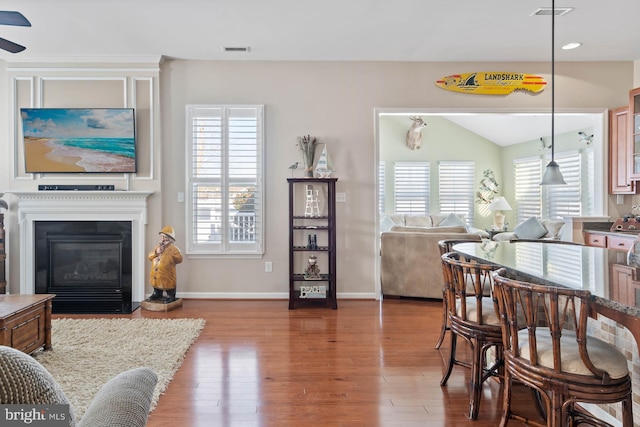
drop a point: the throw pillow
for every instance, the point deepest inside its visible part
(386, 223)
(437, 219)
(453, 220)
(417, 220)
(553, 227)
(532, 228)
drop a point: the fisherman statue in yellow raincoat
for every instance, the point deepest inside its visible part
(164, 258)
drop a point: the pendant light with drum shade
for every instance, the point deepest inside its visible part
(552, 174)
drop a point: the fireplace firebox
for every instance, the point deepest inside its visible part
(87, 264)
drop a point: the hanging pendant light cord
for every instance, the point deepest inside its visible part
(553, 76)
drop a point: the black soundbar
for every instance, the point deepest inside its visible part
(76, 187)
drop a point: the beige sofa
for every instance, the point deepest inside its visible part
(410, 258)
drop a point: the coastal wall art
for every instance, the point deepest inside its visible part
(82, 140)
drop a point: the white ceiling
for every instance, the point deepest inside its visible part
(332, 30)
(371, 30)
(506, 129)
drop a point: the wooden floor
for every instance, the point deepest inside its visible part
(369, 363)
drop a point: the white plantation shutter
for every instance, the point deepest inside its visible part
(559, 258)
(412, 187)
(575, 198)
(528, 192)
(456, 188)
(529, 258)
(225, 179)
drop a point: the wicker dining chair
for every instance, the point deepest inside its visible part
(548, 349)
(447, 246)
(473, 316)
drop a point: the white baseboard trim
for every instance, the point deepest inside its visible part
(264, 295)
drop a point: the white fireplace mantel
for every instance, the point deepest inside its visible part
(82, 206)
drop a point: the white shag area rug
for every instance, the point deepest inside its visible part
(89, 352)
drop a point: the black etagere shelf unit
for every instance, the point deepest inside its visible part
(312, 234)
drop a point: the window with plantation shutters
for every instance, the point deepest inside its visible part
(528, 192)
(565, 200)
(411, 187)
(225, 179)
(555, 201)
(456, 188)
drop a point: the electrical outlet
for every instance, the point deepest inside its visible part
(268, 266)
(181, 197)
(341, 197)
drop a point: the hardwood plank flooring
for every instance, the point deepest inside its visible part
(369, 363)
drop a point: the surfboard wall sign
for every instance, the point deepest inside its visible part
(492, 83)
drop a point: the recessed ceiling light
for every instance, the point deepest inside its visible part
(570, 46)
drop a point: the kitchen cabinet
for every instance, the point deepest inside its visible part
(634, 132)
(620, 154)
(624, 286)
(611, 240)
(595, 239)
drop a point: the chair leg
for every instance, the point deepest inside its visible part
(445, 321)
(506, 400)
(452, 359)
(476, 379)
(627, 412)
(555, 417)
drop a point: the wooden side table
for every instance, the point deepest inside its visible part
(25, 321)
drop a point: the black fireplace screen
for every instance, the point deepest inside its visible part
(87, 264)
(84, 262)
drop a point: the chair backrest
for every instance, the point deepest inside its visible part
(546, 313)
(468, 282)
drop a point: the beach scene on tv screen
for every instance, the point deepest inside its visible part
(78, 140)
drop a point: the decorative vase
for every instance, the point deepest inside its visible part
(307, 146)
(307, 157)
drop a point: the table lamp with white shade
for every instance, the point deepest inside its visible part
(498, 205)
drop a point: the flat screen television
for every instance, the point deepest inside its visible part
(79, 140)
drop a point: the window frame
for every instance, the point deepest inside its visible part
(224, 249)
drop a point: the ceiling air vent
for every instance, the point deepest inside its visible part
(547, 11)
(236, 49)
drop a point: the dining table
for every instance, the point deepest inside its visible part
(612, 276)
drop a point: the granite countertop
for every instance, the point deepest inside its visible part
(605, 228)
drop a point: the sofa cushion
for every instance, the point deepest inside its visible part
(532, 228)
(453, 220)
(437, 219)
(418, 221)
(455, 229)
